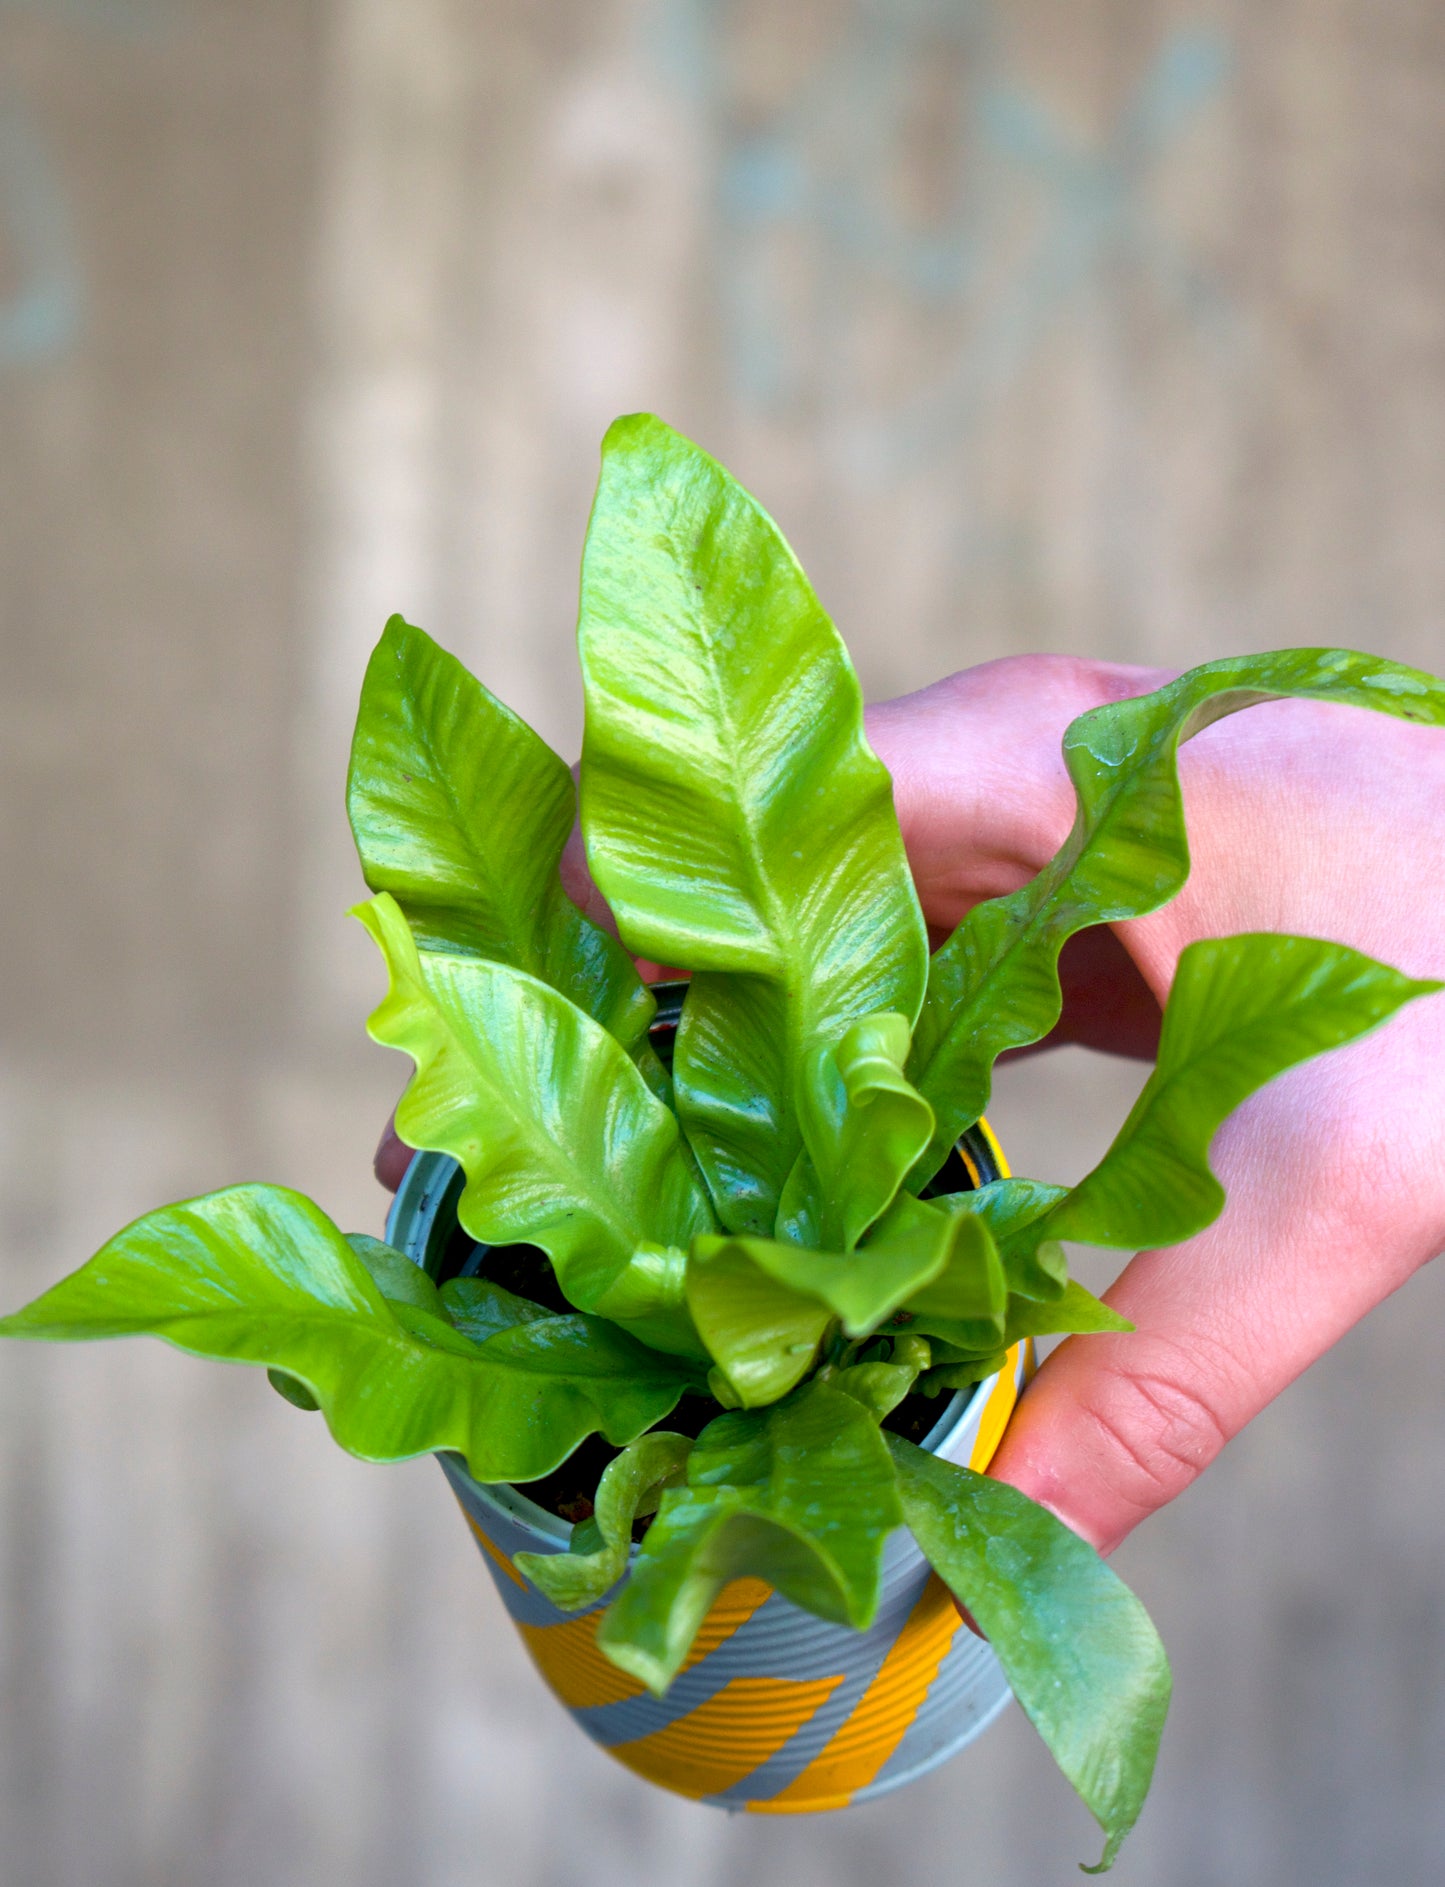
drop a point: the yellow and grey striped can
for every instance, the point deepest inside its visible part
(775, 1711)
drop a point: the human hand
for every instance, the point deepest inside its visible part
(1312, 818)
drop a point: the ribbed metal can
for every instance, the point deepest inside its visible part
(775, 1711)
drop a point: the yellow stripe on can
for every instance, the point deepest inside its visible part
(567, 1656)
(883, 1717)
(724, 1740)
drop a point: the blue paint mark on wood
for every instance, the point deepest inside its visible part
(42, 316)
(808, 220)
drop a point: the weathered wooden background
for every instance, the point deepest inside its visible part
(1103, 325)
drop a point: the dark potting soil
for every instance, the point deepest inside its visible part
(569, 1491)
(915, 1416)
(526, 1271)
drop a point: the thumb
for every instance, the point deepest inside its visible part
(1315, 1234)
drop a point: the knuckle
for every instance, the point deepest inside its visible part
(1156, 1430)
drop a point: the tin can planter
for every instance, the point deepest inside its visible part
(775, 1711)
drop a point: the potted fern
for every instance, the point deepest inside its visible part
(714, 1312)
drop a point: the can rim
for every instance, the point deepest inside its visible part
(423, 1191)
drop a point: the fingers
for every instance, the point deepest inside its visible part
(1107, 1003)
(577, 882)
(392, 1157)
(979, 781)
(984, 801)
(1324, 1221)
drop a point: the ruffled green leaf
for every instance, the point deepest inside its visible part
(257, 1274)
(461, 812)
(562, 1143)
(763, 1306)
(802, 1495)
(649, 1297)
(861, 1288)
(630, 1487)
(965, 1303)
(398, 1280)
(1076, 1645)
(882, 1384)
(864, 1125)
(395, 1276)
(1241, 1011)
(415, 1301)
(480, 1309)
(736, 820)
(763, 1334)
(962, 1373)
(994, 985)
(1008, 1207)
(292, 1391)
(876, 1387)
(1074, 1312)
